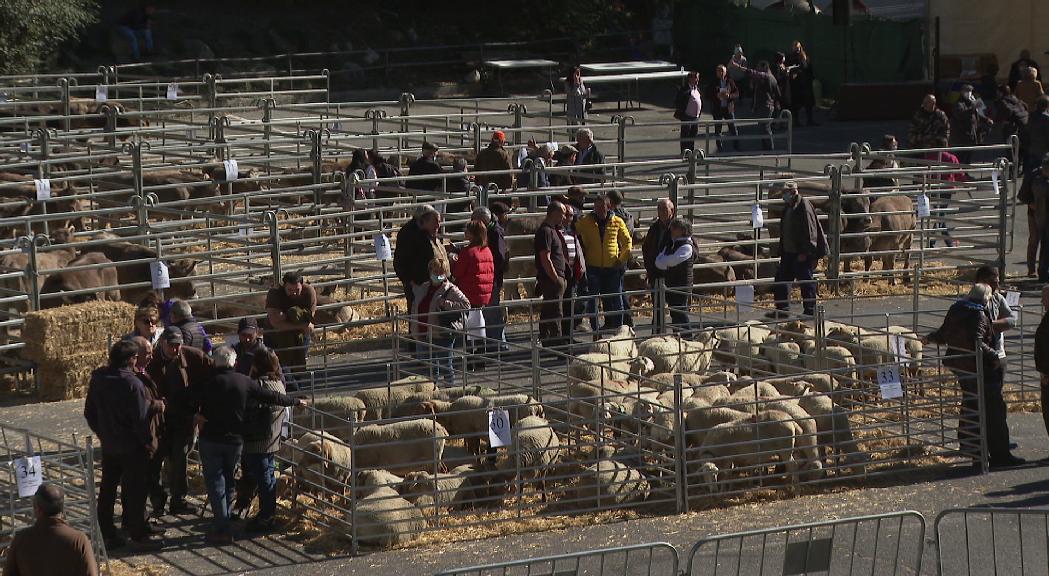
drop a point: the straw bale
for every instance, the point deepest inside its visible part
(66, 377)
(54, 332)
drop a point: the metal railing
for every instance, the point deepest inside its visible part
(656, 559)
(992, 541)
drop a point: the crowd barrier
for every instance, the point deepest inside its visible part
(645, 559)
(992, 541)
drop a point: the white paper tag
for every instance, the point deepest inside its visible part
(24, 147)
(899, 347)
(923, 206)
(757, 219)
(172, 91)
(101, 93)
(158, 272)
(43, 189)
(889, 381)
(382, 247)
(745, 295)
(498, 428)
(232, 171)
(29, 475)
(475, 327)
(994, 182)
(189, 134)
(3, 97)
(336, 126)
(1012, 298)
(244, 232)
(285, 426)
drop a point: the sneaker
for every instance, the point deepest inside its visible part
(219, 538)
(182, 507)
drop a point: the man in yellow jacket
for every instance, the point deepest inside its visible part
(606, 246)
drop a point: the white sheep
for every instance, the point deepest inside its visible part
(665, 380)
(323, 464)
(783, 355)
(442, 490)
(835, 429)
(400, 447)
(609, 482)
(741, 346)
(674, 354)
(534, 449)
(701, 416)
(383, 519)
(467, 416)
(380, 400)
(331, 414)
(837, 360)
(622, 344)
(598, 365)
(807, 442)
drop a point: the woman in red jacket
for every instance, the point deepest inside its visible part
(474, 271)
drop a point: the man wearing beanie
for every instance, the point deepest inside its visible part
(495, 157)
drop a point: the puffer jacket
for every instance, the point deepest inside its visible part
(965, 326)
(608, 250)
(474, 273)
(446, 306)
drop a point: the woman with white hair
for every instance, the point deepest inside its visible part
(967, 333)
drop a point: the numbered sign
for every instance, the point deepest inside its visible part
(924, 211)
(757, 219)
(745, 295)
(158, 272)
(383, 252)
(889, 381)
(29, 475)
(43, 189)
(232, 171)
(498, 428)
(101, 93)
(1012, 298)
(285, 425)
(172, 91)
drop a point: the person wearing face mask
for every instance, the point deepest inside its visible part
(928, 125)
(969, 122)
(801, 244)
(438, 309)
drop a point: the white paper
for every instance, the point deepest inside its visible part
(899, 347)
(101, 93)
(745, 295)
(173, 91)
(3, 97)
(43, 189)
(757, 219)
(382, 247)
(1012, 298)
(285, 426)
(29, 475)
(889, 381)
(232, 171)
(498, 428)
(923, 206)
(475, 324)
(24, 147)
(994, 182)
(158, 272)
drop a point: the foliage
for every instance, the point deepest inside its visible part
(31, 31)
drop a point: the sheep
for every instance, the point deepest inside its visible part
(383, 519)
(835, 430)
(598, 365)
(400, 447)
(370, 480)
(611, 482)
(443, 489)
(723, 377)
(331, 414)
(783, 355)
(795, 331)
(741, 346)
(701, 416)
(753, 443)
(534, 449)
(808, 440)
(622, 344)
(746, 392)
(674, 354)
(836, 359)
(378, 400)
(467, 416)
(912, 345)
(324, 464)
(789, 387)
(711, 392)
(665, 380)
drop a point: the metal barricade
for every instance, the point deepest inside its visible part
(1013, 541)
(655, 559)
(878, 544)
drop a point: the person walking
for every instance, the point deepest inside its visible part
(262, 438)
(248, 344)
(291, 309)
(688, 105)
(193, 332)
(676, 263)
(474, 274)
(724, 95)
(967, 325)
(439, 311)
(425, 165)
(768, 98)
(1041, 356)
(495, 157)
(50, 547)
(801, 245)
(802, 84)
(606, 247)
(117, 410)
(577, 98)
(552, 271)
(175, 368)
(417, 244)
(928, 125)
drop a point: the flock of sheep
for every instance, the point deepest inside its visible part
(756, 404)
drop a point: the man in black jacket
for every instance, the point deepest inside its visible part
(417, 244)
(117, 410)
(221, 404)
(688, 104)
(425, 165)
(193, 332)
(657, 240)
(588, 155)
(801, 244)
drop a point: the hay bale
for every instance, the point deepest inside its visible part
(90, 326)
(67, 377)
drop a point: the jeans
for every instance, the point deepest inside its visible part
(437, 354)
(220, 465)
(606, 283)
(689, 130)
(770, 113)
(132, 38)
(129, 472)
(259, 467)
(790, 269)
(724, 114)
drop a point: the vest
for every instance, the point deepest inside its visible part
(680, 275)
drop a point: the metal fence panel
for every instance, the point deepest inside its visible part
(1001, 541)
(656, 559)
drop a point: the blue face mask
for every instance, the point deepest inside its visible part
(437, 278)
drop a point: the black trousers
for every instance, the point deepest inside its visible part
(129, 472)
(969, 420)
(158, 497)
(689, 130)
(178, 444)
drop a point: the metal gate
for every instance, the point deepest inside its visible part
(1001, 541)
(655, 559)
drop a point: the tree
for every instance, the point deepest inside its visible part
(31, 31)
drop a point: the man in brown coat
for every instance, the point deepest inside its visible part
(50, 546)
(156, 424)
(175, 368)
(801, 245)
(494, 157)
